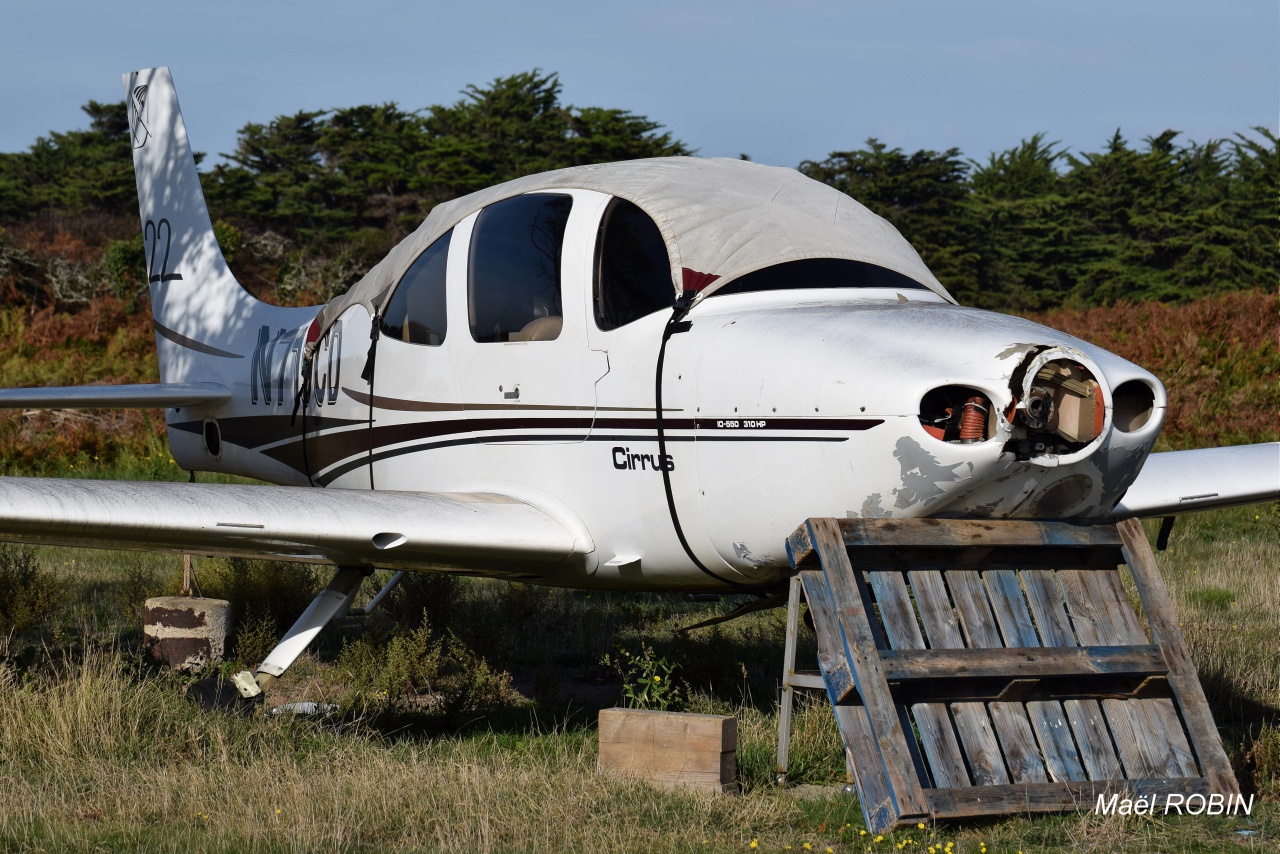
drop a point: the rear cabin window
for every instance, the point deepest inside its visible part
(633, 273)
(819, 273)
(415, 313)
(513, 280)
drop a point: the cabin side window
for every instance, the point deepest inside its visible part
(415, 313)
(513, 278)
(633, 272)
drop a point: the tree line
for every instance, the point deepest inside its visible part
(307, 202)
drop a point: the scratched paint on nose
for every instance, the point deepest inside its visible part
(872, 508)
(922, 475)
(1015, 350)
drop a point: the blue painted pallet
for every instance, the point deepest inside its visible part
(982, 667)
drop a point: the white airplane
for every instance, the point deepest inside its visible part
(639, 375)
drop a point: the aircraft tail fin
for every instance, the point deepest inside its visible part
(202, 316)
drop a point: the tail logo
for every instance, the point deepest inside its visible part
(138, 119)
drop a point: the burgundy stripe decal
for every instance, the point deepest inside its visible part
(336, 445)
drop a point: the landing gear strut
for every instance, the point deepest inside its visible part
(244, 691)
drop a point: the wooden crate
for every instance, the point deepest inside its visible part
(671, 748)
(994, 666)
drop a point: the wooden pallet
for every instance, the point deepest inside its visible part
(995, 666)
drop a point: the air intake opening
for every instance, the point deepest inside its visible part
(213, 438)
(1132, 402)
(957, 413)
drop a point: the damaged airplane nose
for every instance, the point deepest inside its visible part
(902, 408)
(1070, 443)
(1056, 406)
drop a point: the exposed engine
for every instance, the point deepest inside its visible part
(1056, 406)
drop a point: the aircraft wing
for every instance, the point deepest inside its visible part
(1185, 481)
(460, 532)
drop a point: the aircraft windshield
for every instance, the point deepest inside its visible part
(818, 273)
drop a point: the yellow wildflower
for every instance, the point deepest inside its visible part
(755, 843)
(657, 678)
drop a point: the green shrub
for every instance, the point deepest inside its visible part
(29, 594)
(411, 662)
(468, 685)
(138, 583)
(230, 239)
(388, 668)
(125, 266)
(648, 679)
(254, 639)
(421, 597)
(396, 670)
(266, 597)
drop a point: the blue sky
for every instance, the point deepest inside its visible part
(781, 82)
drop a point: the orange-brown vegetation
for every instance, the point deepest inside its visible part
(102, 343)
(1217, 357)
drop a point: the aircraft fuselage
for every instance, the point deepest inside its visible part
(778, 405)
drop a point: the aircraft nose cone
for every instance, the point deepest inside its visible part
(960, 411)
(1014, 419)
(1061, 436)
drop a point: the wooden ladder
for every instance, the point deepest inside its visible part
(998, 666)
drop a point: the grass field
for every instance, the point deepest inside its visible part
(99, 750)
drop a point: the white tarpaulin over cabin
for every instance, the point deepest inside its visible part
(721, 218)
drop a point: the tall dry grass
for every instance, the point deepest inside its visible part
(99, 757)
(1223, 571)
(98, 752)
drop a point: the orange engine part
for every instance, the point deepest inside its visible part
(1099, 410)
(973, 421)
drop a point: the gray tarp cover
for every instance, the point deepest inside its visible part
(720, 217)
